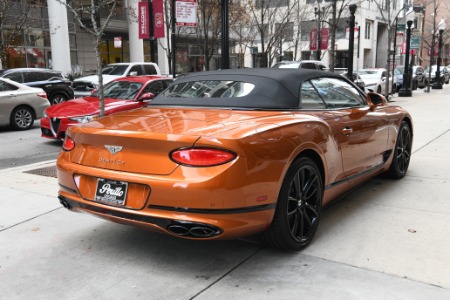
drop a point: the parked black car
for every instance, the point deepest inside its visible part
(444, 74)
(419, 78)
(58, 89)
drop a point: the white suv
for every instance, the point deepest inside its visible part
(85, 85)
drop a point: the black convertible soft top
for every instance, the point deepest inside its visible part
(273, 88)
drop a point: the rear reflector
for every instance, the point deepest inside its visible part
(68, 144)
(202, 157)
(42, 95)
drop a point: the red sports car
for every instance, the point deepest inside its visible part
(120, 95)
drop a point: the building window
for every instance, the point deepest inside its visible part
(367, 31)
(305, 28)
(287, 33)
(271, 3)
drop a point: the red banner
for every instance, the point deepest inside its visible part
(144, 30)
(313, 40)
(324, 33)
(158, 17)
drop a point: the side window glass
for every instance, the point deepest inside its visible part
(308, 66)
(16, 76)
(321, 67)
(136, 69)
(337, 93)
(309, 97)
(166, 83)
(34, 76)
(154, 87)
(150, 70)
(4, 87)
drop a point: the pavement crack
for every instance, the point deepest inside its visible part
(431, 141)
(30, 219)
(226, 273)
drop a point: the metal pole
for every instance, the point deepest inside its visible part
(351, 42)
(225, 40)
(174, 42)
(152, 32)
(406, 88)
(437, 83)
(319, 37)
(393, 56)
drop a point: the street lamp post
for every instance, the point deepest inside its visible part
(351, 42)
(437, 83)
(319, 15)
(405, 91)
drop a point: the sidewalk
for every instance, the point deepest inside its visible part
(386, 240)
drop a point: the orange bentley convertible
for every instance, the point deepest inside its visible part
(231, 153)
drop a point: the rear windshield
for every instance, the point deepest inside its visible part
(210, 89)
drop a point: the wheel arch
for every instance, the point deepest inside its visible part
(312, 154)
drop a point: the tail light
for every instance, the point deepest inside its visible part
(202, 157)
(68, 143)
(42, 95)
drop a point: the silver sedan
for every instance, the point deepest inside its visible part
(20, 105)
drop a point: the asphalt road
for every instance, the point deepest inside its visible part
(19, 148)
(389, 239)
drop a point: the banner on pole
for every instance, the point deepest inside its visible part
(324, 33)
(313, 44)
(158, 17)
(143, 20)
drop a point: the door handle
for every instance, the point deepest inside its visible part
(347, 131)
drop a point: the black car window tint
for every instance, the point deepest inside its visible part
(122, 90)
(308, 66)
(137, 69)
(34, 76)
(337, 93)
(154, 87)
(4, 87)
(166, 83)
(15, 76)
(309, 97)
(150, 70)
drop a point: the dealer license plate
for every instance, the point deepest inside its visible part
(111, 191)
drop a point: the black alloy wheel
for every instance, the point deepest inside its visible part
(402, 152)
(299, 207)
(58, 98)
(22, 118)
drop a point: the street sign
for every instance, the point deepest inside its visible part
(401, 27)
(415, 42)
(186, 13)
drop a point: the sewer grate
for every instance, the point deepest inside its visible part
(46, 171)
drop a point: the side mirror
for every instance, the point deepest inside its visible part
(375, 99)
(147, 96)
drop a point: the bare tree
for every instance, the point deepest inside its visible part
(271, 19)
(87, 14)
(14, 17)
(389, 12)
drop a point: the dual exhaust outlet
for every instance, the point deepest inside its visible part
(193, 230)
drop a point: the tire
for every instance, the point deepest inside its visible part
(22, 118)
(58, 98)
(447, 81)
(401, 153)
(298, 207)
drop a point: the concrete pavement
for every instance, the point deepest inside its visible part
(387, 240)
